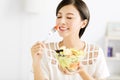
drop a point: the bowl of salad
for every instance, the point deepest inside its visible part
(69, 58)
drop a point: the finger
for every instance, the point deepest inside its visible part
(37, 49)
(67, 71)
(38, 45)
(81, 65)
(64, 70)
(61, 69)
(43, 45)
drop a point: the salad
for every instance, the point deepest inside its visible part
(69, 58)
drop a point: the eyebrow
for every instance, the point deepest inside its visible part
(67, 13)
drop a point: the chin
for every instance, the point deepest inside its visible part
(63, 34)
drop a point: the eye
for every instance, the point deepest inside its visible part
(59, 17)
(69, 17)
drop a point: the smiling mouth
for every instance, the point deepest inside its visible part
(63, 28)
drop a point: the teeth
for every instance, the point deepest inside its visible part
(63, 28)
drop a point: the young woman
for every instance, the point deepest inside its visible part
(72, 19)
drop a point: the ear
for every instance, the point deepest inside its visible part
(84, 23)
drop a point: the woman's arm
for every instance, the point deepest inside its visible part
(37, 54)
(38, 75)
(84, 75)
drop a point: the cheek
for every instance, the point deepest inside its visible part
(74, 25)
(57, 22)
(70, 24)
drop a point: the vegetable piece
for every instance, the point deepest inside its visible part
(56, 27)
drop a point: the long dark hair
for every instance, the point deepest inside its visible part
(81, 7)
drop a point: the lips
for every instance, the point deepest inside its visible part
(63, 28)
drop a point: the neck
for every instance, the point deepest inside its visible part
(73, 43)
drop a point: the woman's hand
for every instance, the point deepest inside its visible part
(64, 70)
(67, 71)
(37, 51)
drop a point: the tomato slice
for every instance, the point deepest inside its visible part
(56, 27)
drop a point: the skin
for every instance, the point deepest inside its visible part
(69, 22)
(36, 52)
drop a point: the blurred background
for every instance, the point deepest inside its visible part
(23, 22)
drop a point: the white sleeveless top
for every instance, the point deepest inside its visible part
(94, 63)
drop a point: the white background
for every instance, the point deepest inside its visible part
(23, 22)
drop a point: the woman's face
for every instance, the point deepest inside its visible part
(69, 21)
